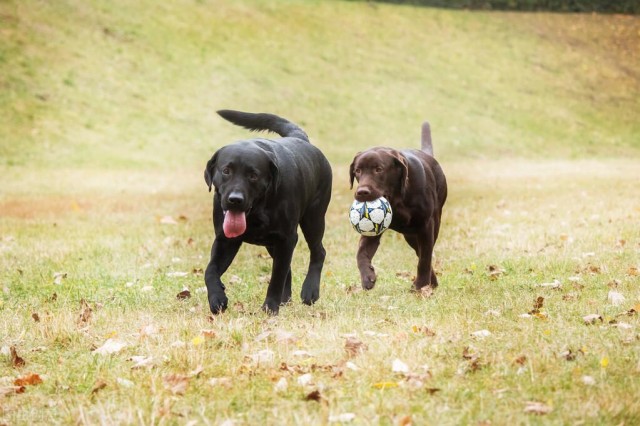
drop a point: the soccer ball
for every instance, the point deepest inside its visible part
(370, 218)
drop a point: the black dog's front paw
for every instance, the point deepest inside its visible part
(310, 295)
(368, 278)
(271, 307)
(218, 303)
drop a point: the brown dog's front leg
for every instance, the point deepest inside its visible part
(366, 250)
(425, 241)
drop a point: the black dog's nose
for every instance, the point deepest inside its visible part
(235, 198)
(363, 192)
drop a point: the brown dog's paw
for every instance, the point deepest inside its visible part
(368, 278)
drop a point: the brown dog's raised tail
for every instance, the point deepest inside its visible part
(427, 145)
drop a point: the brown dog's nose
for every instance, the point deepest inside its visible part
(363, 192)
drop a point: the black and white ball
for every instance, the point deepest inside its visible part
(370, 218)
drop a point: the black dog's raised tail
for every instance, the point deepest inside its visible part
(427, 145)
(263, 121)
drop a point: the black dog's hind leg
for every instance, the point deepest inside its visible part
(312, 226)
(282, 254)
(286, 291)
(223, 252)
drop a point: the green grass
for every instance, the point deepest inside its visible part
(106, 122)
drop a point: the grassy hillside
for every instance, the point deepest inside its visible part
(129, 84)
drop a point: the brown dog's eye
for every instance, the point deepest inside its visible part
(378, 169)
(357, 171)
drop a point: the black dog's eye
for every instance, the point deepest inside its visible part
(253, 177)
(226, 171)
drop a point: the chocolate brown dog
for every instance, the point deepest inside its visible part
(415, 185)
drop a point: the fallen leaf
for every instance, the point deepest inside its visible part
(141, 361)
(58, 277)
(305, 379)
(8, 390)
(124, 382)
(16, 360)
(28, 380)
(588, 380)
(85, 312)
(110, 346)
(494, 272)
(264, 356)
(342, 418)
(281, 386)
(592, 318)
(553, 285)
(176, 383)
(538, 304)
(615, 298)
(423, 330)
(397, 366)
(385, 385)
(99, 385)
(177, 274)
(633, 271)
(208, 333)
(184, 294)
(221, 381)
(353, 347)
(520, 360)
(35, 317)
(404, 421)
(431, 391)
(539, 408)
(314, 396)
(481, 334)
(167, 220)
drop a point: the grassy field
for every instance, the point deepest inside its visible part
(107, 120)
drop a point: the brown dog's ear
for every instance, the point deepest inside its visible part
(352, 170)
(210, 170)
(401, 162)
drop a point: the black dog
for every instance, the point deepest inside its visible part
(415, 185)
(263, 190)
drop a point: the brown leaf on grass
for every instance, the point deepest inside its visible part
(98, 386)
(538, 408)
(404, 421)
(520, 360)
(53, 297)
(35, 317)
(85, 312)
(16, 360)
(538, 304)
(184, 294)
(239, 307)
(466, 353)
(176, 383)
(354, 347)
(30, 379)
(633, 271)
(494, 272)
(208, 333)
(423, 330)
(315, 396)
(432, 391)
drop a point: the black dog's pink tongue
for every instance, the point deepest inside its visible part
(234, 224)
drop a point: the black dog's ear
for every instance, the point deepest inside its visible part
(352, 171)
(275, 172)
(210, 170)
(403, 165)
